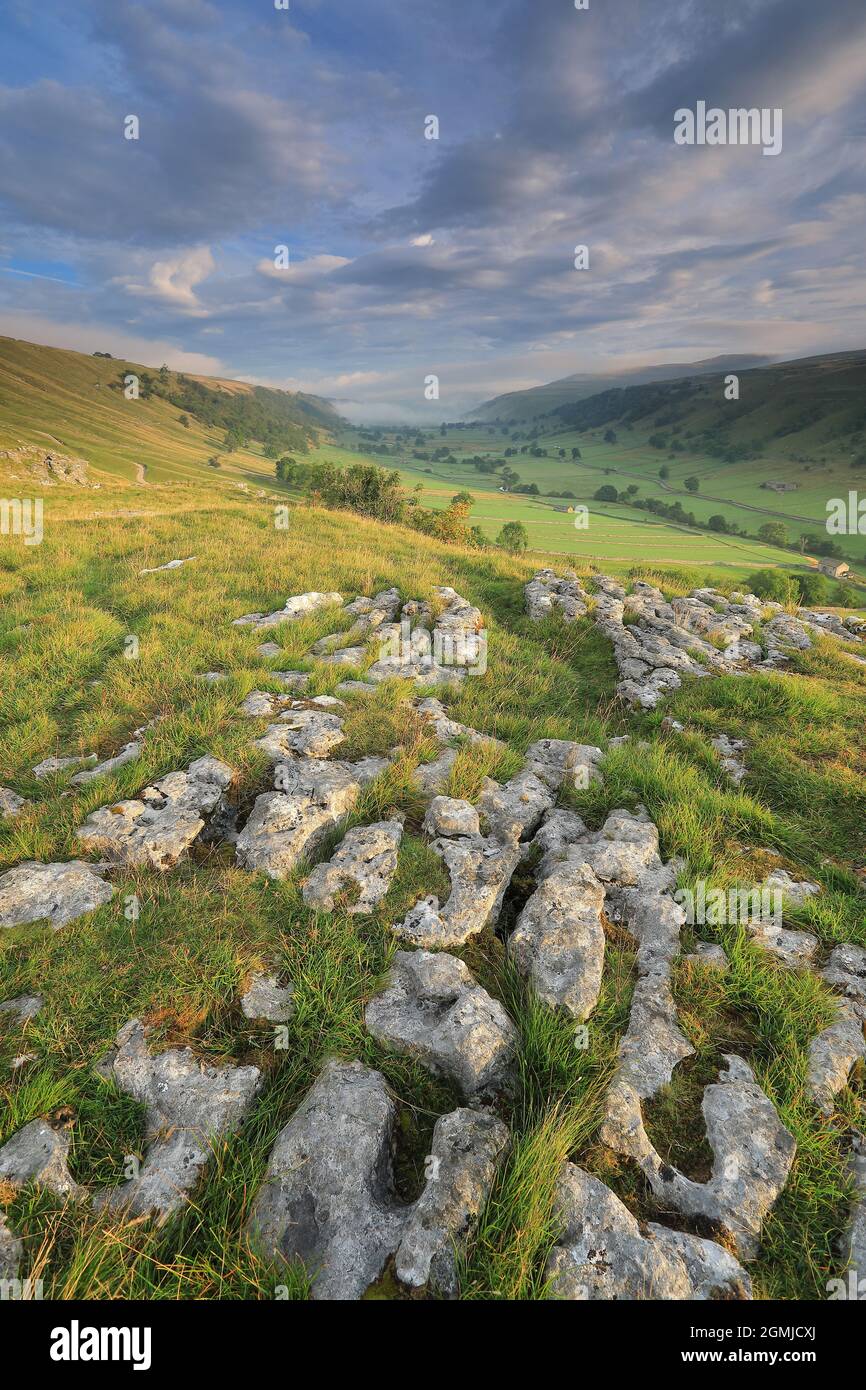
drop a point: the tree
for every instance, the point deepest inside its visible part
(813, 588)
(773, 585)
(183, 420)
(608, 493)
(692, 484)
(664, 471)
(513, 538)
(773, 533)
(575, 453)
(717, 523)
(609, 437)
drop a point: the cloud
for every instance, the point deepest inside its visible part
(173, 281)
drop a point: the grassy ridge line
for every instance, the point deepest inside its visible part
(69, 604)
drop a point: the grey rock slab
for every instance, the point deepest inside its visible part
(169, 565)
(299, 606)
(25, 1007)
(328, 1197)
(448, 815)
(430, 778)
(159, 827)
(833, 1053)
(708, 954)
(49, 766)
(480, 871)
(855, 1239)
(266, 650)
(515, 810)
(58, 893)
(603, 1254)
(10, 803)
(128, 753)
(558, 942)
(309, 733)
(731, 753)
(286, 824)
(39, 1154)
(467, 1149)
(557, 762)
(363, 865)
(795, 949)
(328, 1194)
(263, 704)
(188, 1106)
(267, 1000)
(846, 971)
(793, 892)
(434, 1010)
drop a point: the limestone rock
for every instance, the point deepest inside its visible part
(364, 863)
(58, 893)
(10, 803)
(284, 825)
(169, 565)
(267, 1000)
(310, 732)
(855, 1241)
(11, 1251)
(467, 1148)
(558, 942)
(434, 1010)
(449, 816)
(792, 891)
(514, 811)
(158, 828)
(603, 1254)
(480, 871)
(128, 753)
(299, 606)
(38, 1153)
(730, 751)
(188, 1106)
(558, 762)
(49, 766)
(25, 1007)
(833, 1053)
(710, 955)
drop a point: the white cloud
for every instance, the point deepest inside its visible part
(173, 281)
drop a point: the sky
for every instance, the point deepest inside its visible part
(410, 258)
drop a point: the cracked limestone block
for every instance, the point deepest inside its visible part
(432, 711)
(434, 1010)
(752, 1157)
(38, 1153)
(558, 761)
(299, 606)
(793, 892)
(708, 954)
(262, 704)
(730, 751)
(795, 949)
(466, 1151)
(855, 1239)
(307, 732)
(480, 871)
(558, 942)
(545, 594)
(329, 1200)
(128, 754)
(49, 766)
(58, 893)
(10, 803)
(25, 1007)
(266, 1000)
(448, 815)
(623, 849)
(514, 811)
(559, 830)
(430, 778)
(285, 825)
(363, 865)
(188, 1107)
(605, 1254)
(846, 971)
(833, 1053)
(158, 828)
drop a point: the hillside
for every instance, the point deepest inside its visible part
(74, 403)
(540, 400)
(230, 942)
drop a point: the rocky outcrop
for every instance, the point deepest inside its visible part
(266, 1000)
(10, 803)
(299, 606)
(285, 825)
(56, 893)
(513, 811)
(435, 1011)
(159, 827)
(128, 753)
(49, 766)
(361, 868)
(188, 1106)
(39, 1153)
(480, 871)
(328, 1197)
(834, 1052)
(46, 468)
(855, 1238)
(604, 1253)
(558, 942)
(431, 651)
(545, 594)
(308, 729)
(450, 816)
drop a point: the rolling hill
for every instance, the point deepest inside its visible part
(540, 400)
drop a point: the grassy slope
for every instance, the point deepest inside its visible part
(67, 607)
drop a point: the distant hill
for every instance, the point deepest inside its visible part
(540, 400)
(74, 404)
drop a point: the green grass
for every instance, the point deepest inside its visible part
(65, 685)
